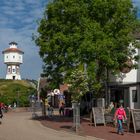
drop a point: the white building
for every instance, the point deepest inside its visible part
(13, 58)
(126, 87)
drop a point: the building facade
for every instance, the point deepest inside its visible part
(125, 88)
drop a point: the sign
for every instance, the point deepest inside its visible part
(56, 91)
(61, 96)
(134, 118)
(98, 115)
(126, 66)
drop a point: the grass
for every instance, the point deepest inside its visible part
(15, 91)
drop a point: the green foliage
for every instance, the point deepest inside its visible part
(78, 85)
(43, 94)
(45, 89)
(92, 32)
(15, 91)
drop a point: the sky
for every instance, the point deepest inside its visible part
(137, 4)
(18, 21)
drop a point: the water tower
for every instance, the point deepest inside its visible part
(13, 58)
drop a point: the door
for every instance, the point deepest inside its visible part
(14, 77)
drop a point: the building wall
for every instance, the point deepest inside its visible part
(13, 57)
(130, 77)
(129, 83)
(13, 76)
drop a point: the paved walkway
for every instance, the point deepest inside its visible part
(20, 126)
(87, 129)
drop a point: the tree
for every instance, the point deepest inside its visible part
(43, 95)
(78, 84)
(97, 33)
(45, 89)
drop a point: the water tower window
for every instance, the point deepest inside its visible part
(13, 56)
(13, 70)
(7, 56)
(17, 70)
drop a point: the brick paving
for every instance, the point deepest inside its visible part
(107, 132)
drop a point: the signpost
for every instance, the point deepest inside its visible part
(134, 118)
(98, 115)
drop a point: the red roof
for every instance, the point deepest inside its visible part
(13, 50)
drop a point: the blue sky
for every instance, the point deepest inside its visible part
(137, 4)
(17, 23)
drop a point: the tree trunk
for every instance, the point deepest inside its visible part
(44, 110)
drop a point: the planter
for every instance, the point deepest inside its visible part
(76, 115)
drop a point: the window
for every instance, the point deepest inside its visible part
(13, 56)
(9, 70)
(17, 70)
(134, 95)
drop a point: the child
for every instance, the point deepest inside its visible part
(120, 115)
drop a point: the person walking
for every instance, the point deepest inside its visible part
(1, 114)
(61, 109)
(50, 111)
(15, 105)
(119, 116)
